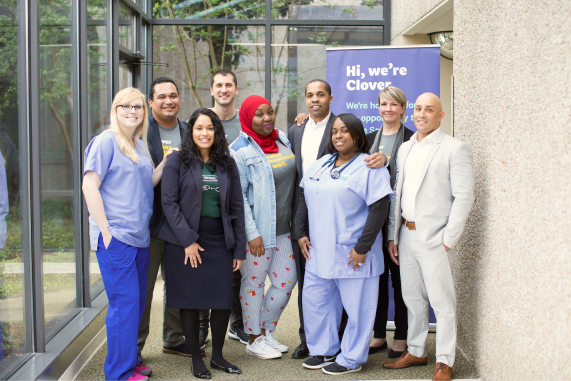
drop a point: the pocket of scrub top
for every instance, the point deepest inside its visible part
(346, 271)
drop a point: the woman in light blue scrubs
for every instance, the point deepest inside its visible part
(345, 207)
(118, 181)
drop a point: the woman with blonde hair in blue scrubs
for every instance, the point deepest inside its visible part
(344, 209)
(118, 181)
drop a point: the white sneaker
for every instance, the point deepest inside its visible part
(274, 343)
(262, 349)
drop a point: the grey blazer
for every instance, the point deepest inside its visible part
(295, 134)
(445, 195)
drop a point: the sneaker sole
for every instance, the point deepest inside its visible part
(237, 338)
(348, 371)
(144, 373)
(171, 352)
(323, 365)
(264, 356)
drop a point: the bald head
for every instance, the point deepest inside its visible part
(427, 114)
(430, 99)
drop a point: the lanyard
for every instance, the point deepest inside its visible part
(336, 173)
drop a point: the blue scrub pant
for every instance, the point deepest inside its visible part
(124, 272)
(323, 303)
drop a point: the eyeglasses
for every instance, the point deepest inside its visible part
(127, 107)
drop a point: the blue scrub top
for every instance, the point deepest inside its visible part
(338, 210)
(126, 189)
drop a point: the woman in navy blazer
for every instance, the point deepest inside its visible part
(204, 232)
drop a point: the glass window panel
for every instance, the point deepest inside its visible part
(57, 177)
(96, 98)
(125, 77)
(209, 9)
(126, 27)
(328, 10)
(193, 53)
(298, 56)
(12, 298)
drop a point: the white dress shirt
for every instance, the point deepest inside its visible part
(311, 140)
(413, 175)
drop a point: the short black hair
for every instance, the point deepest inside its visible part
(224, 72)
(357, 132)
(327, 86)
(156, 82)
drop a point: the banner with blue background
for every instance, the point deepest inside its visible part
(357, 75)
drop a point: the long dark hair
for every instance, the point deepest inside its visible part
(219, 152)
(357, 132)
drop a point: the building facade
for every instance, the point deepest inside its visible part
(510, 98)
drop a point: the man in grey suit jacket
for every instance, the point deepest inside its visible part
(434, 193)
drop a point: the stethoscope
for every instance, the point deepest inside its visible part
(335, 173)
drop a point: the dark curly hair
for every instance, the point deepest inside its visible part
(219, 152)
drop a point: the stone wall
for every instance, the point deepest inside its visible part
(512, 103)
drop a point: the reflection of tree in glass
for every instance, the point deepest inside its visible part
(221, 47)
(125, 26)
(8, 59)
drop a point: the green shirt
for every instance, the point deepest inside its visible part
(210, 193)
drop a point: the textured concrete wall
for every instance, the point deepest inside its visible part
(512, 103)
(405, 13)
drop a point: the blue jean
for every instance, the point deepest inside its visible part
(124, 272)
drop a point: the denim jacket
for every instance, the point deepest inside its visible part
(258, 187)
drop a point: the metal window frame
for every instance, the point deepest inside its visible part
(268, 23)
(34, 158)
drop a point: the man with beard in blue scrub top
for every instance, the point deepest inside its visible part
(343, 210)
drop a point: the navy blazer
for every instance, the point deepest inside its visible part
(182, 201)
(295, 135)
(156, 151)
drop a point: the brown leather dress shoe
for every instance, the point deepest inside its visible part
(442, 372)
(404, 361)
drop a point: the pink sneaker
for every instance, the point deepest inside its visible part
(143, 370)
(137, 377)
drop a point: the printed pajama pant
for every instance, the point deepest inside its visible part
(264, 311)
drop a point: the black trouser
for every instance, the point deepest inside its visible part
(300, 268)
(236, 314)
(401, 322)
